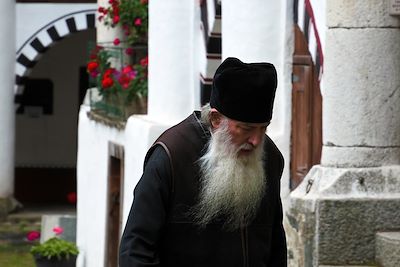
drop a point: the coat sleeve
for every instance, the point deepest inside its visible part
(278, 253)
(140, 240)
(278, 245)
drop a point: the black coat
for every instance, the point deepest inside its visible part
(159, 231)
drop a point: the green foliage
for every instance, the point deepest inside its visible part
(55, 248)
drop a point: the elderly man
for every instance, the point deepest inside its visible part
(210, 191)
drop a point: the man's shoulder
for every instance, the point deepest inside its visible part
(272, 152)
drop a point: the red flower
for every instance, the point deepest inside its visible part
(144, 61)
(116, 41)
(143, 2)
(124, 80)
(58, 230)
(92, 66)
(102, 10)
(33, 235)
(129, 51)
(112, 2)
(138, 22)
(115, 19)
(107, 82)
(71, 197)
(108, 72)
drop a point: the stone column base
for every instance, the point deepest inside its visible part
(335, 213)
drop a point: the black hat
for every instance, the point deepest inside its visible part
(244, 91)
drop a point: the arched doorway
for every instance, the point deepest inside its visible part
(50, 84)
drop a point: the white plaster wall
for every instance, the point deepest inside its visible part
(173, 94)
(173, 69)
(260, 30)
(92, 171)
(33, 17)
(7, 48)
(51, 140)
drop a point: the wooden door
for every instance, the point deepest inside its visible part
(114, 207)
(306, 136)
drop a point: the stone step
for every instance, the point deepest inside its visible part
(347, 266)
(387, 249)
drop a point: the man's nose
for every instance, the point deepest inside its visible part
(256, 137)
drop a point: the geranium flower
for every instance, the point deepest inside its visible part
(71, 197)
(129, 51)
(138, 22)
(92, 66)
(94, 74)
(108, 72)
(116, 41)
(115, 19)
(58, 230)
(33, 235)
(107, 82)
(124, 80)
(144, 61)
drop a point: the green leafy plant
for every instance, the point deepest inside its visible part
(131, 15)
(55, 248)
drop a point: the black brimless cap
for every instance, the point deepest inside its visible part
(244, 91)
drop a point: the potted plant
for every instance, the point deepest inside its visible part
(118, 69)
(124, 90)
(55, 252)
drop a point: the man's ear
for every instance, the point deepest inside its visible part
(215, 118)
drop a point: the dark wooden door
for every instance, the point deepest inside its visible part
(114, 204)
(306, 136)
(301, 123)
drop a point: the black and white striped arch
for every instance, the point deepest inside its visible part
(35, 46)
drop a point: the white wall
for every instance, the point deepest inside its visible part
(174, 30)
(32, 17)
(92, 173)
(173, 51)
(261, 31)
(50, 140)
(7, 48)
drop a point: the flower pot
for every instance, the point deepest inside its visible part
(54, 262)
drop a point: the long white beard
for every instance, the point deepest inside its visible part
(232, 186)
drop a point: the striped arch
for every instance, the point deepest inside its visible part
(36, 45)
(212, 44)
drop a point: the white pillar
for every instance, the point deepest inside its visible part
(261, 31)
(173, 71)
(7, 110)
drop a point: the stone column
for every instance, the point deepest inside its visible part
(7, 110)
(337, 211)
